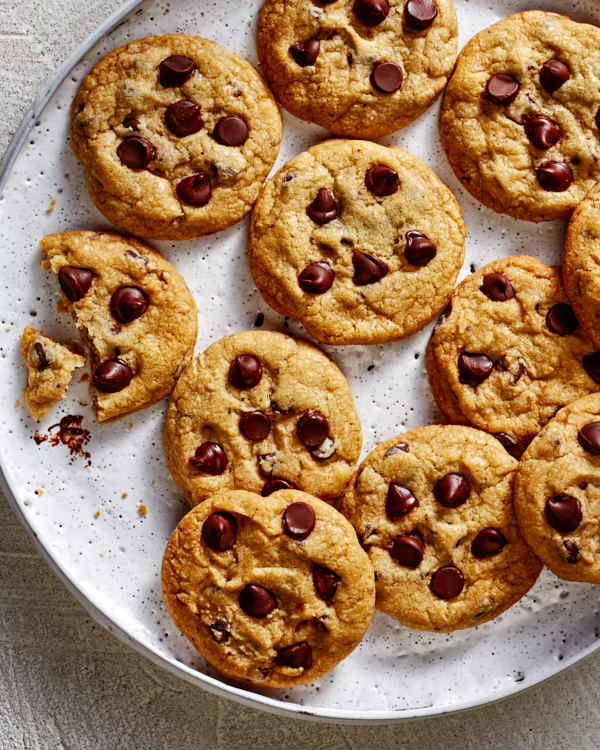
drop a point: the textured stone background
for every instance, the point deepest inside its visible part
(65, 683)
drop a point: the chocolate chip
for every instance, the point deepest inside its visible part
(136, 153)
(195, 190)
(131, 122)
(245, 372)
(183, 118)
(474, 369)
(371, 12)
(298, 656)
(452, 490)
(316, 278)
(399, 501)
(210, 458)
(497, 287)
(563, 513)
(387, 77)
(542, 132)
(326, 582)
(502, 89)
(368, 269)
(591, 364)
(257, 601)
(112, 376)
(488, 543)
(407, 550)
(128, 303)
(41, 356)
(305, 53)
(75, 282)
(298, 520)
(447, 582)
(324, 451)
(555, 176)
(598, 118)
(401, 447)
(219, 531)
(561, 319)
(553, 75)
(260, 319)
(231, 131)
(381, 181)
(509, 443)
(176, 70)
(312, 429)
(255, 425)
(420, 14)
(420, 250)
(322, 210)
(220, 631)
(589, 438)
(276, 484)
(573, 552)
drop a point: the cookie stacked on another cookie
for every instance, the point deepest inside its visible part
(360, 243)
(272, 591)
(520, 120)
(434, 510)
(133, 310)
(176, 135)
(261, 411)
(360, 68)
(557, 492)
(509, 351)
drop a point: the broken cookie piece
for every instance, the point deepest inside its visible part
(51, 367)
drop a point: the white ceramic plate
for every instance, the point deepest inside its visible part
(111, 562)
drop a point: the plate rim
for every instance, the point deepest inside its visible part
(210, 684)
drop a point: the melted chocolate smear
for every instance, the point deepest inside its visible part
(70, 433)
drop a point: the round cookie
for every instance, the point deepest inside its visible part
(273, 591)
(508, 351)
(133, 310)
(557, 492)
(360, 243)
(361, 69)
(519, 119)
(176, 135)
(261, 411)
(581, 264)
(433, 508)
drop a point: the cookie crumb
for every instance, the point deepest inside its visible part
(17, 404)
(124, 495)
(142, 509)
(97, 513)
(52, 204)
(39, 492)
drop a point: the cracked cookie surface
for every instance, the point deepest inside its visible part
(510, 352)
(258, 408)
(339, 81)
(557, 492)
(581, 263)
(273, 591)
(434, 510)
(360, 243)
(199, 140)
(530, 65)
(134, 311)
(50, 366)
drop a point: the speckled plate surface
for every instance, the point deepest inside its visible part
(111, 561)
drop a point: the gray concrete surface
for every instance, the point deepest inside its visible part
(66, 684)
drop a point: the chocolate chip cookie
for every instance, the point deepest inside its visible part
(520, 120)
(176, 135)
(509, 352)
(433, 508)
(261, 411)
(360, 243)
(557, 492)
(132, 309)
(50, 366)
(360, 68)
(581, 264)
(272, 591)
